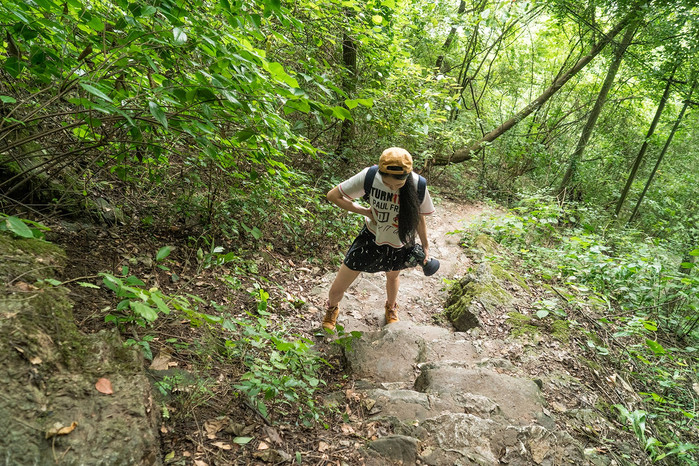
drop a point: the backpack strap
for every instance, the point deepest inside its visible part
(421, 188)
(369, 182)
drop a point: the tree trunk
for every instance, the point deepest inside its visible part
(349, 84)
(450, 38)
(466, 153)
(644, 146)
(597, 109)
(662, 153)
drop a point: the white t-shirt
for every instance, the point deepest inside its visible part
(384, 203)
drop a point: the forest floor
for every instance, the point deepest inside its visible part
(202, 413)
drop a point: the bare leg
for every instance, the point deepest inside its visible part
(392, 285)
(343, 280)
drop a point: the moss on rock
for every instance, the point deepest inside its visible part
(28, 259)
(468, 297)
(485, 243)
(521, 325)
(560, 330)
(501, 273)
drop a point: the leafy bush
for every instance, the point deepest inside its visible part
(639, 292)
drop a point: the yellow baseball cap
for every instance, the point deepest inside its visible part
(396, 161)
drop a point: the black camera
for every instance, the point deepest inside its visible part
(416, 257)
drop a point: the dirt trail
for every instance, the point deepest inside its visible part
(446, 397)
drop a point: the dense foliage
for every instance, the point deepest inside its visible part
(227, 121)
(631, 299)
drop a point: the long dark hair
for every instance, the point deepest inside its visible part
(408, 213)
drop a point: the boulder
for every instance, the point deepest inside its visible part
(50, 406)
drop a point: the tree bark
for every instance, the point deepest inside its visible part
(466, 153)
(597, 109)
(644, 146)
(450, 38)
(662, 153)
(349, 84)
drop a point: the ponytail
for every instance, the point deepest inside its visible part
(408, 213)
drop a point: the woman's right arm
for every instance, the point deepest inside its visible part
(336, 197)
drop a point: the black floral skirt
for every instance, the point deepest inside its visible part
(366, 256)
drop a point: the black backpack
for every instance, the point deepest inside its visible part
(369, 182)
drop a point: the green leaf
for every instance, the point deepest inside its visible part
(163, 253)
(179, 35)
(300, 105)
(18, 227)
(256, 233)
(53, 282)
(389, 4)
(377, 19)
(242, 440)
(88, 285)
(277, 71)
(94, 91)
(341, 113)
(366, 102)
(5, 99)
(687, 265)
(160, 303)
(692, 253)
(541, 313)
(351, 103)
(655, 346)
(244, 135)
(143, 310)
(157, 113)
(96, 24)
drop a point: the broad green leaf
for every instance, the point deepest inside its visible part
(7, 99)
(179, 35)
(277, 71)
(300, 105)
(695, 252)
(377, 19)
(366, 102)
(163, 253)
(143, 310)
(18, 227)
(96, 24)
(541, 313)
(687, 265)
(341, 113)
(160, 303)
(158, 113)
(244, 135)
(351, 103)
(655, 346)
(96, 92)
(389, 4)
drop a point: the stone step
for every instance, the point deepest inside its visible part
(518, 399)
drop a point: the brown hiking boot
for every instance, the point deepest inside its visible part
(391, 314)
(331, 317)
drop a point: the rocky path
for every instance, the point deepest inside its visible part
(451, 398)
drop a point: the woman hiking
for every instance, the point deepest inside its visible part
(396, 214)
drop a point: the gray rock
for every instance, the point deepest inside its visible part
(518, 399)
(396, 448)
